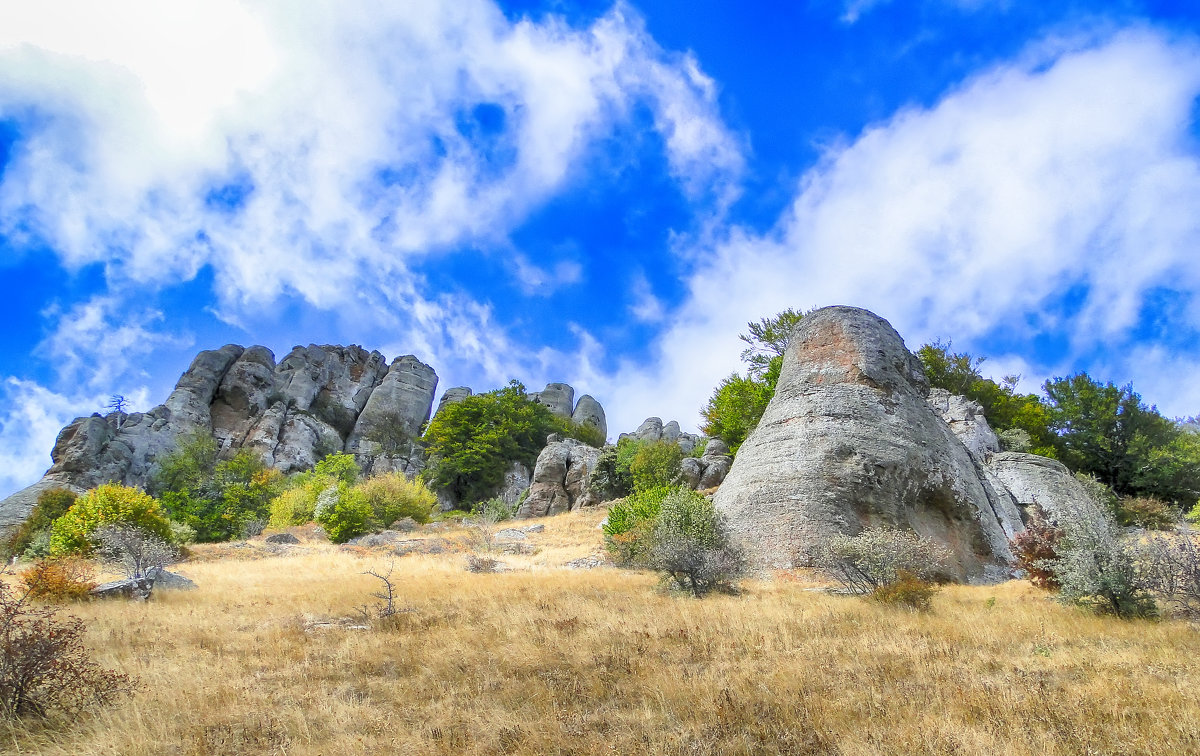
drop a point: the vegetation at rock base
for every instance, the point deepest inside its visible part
(878, 558)
(109, 504)
(218, 499)
(265, 657)
(1036, 548)
(629, 526)
(471, 443)
(35, 531)
(691, 546)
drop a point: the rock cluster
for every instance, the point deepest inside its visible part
(854, 438)
(561, 478)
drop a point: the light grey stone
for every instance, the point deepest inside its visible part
(453, 396)
(559, 398)
(516, 482)
(561, 479)
(691, 470)
(1032, 479)
(849, 442)
(589, 412)
(282, 538)
(965, 418)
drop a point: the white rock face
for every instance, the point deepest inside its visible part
(849, 442)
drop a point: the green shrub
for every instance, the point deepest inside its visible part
(51, 504)
(1146, 512)
(1194, 515)
(393, 497)
(629, 525)
(344, 512)
(655, 464)
(691, 546)
(877, 556)
(908, 590)
(218, 499)
(340, 466)
(494, 509)
(297, 505)
(473, 442)
(109, 504)
(1096, 566)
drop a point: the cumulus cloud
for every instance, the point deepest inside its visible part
(293, 149)
(31, 416)
(1053, 196)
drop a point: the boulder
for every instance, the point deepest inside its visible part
(589, 412)
(395, 412)
(510, 534)
(691, 471)
(965, 418)
(561, 479)
(850, 442)
(282, 538)
(165, 580)
(453, 396)
(559, 398)
(136, 589)
(1032, 479)
(516, 482)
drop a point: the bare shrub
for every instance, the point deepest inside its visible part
(1097, 566)
(136, 552)
(692, 547)
(482, 563)
(1170, 564)
(909, 591)
(44, 665)
(387, 594)
(876, 557)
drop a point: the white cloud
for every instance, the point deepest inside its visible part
(349, 138)
(1070, 171)
(31, 416)
(96, 345)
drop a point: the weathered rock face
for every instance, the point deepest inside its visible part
(589, 412)
(560, 479)
(965, 418)
(849, 442)
(559, 398)
(453, 396)
(1039, 480)
(653, 429)
(317, 400)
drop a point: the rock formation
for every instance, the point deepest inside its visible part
(653, 429)
(317, 400)
(1031, 479)
(560, 478)
(849, 442)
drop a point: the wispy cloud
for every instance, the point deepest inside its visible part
(1053, 197)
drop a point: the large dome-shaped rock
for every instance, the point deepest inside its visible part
(589, 412)
(849, 442)
(559, 398)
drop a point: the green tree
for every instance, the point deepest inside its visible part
(1004, 408)
(738, 402)
(655, 464)
(471, 443)
(51, 504)
(1107, 431)
(109, 504)
(218, 499)
(768, 339)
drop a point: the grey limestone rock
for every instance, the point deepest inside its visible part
(849, 442)
(691, 471)
(589, 412)
(453, 396)
(559, 398)
(282, 538)
(965, 418)
(516, 482)
(561, 479)
(1032, 479)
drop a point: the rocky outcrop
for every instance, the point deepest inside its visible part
(965, 418)
(849, 442)
(589, 412)
(453, 396)
(559, 398)
(560, 479)
(1039, 480)
(653, 429)
(317, 400)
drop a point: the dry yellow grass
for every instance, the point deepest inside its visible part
(543, 660)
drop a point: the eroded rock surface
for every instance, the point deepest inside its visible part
(560, 479)
(849, 442)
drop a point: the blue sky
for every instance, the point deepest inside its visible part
(592, 192)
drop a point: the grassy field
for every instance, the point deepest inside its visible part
(269, 656)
